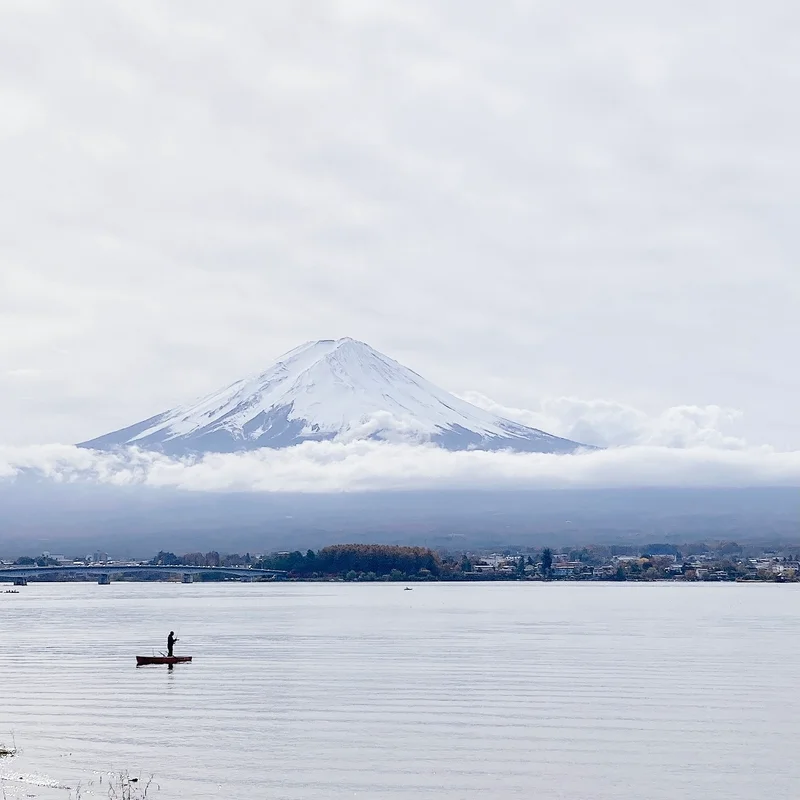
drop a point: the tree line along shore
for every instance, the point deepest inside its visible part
(718, 561)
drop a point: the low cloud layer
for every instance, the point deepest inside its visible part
(372, 466)
(608, 423)
(680, 446)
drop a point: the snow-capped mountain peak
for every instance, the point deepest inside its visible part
(329, 389)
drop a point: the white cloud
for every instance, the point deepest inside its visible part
(607, 423)
(370, 466)
(388, 427)
(23, 373)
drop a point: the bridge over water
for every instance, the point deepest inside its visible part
(19, 575)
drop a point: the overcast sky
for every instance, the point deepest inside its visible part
(528, 200)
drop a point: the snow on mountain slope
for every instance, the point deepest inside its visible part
(340, 389)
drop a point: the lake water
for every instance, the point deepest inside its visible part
(332, 691)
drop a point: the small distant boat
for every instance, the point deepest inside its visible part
(408, 589)
(142, 661)
(11, 591)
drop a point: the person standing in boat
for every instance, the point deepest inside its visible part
(171, 643)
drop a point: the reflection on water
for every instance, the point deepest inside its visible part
(329, 690)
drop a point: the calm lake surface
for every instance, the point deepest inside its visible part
(449, 691)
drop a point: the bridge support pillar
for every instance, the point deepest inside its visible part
(188, 577)
(103, 580)
(20, 581)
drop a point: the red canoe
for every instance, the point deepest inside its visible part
(143, 660)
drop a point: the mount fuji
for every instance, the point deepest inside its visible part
(329, 390)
